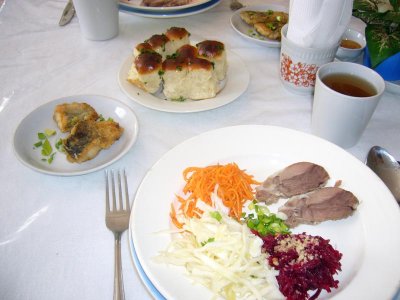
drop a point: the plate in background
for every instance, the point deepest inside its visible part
(41, 118)
(248, 32)
(136, 5)
(169, 14)
(237, 80)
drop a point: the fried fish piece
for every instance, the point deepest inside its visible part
(66, 115)
(253, 17)
(271, 30)
(89, 137)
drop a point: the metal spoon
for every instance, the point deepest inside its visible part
(386, 167)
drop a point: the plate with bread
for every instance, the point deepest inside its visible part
(261, 24)
(174, 72)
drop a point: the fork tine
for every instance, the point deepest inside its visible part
(120, 191)
(107, 192)
(128, 208)
(114, 198)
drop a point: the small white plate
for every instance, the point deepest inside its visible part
(248, 32)
(237, 80)
(42, 118)
(166, 14)
(136, 4)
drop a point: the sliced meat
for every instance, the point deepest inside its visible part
(89, 137)
(296, 179)
(329, 203)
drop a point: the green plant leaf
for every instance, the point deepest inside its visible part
(395, 4)
(381, 43)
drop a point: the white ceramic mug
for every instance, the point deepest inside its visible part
(98, 19)
(340, 118)
(299, 65)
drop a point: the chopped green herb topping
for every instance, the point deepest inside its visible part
(263, 221)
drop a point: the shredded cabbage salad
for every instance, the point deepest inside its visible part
(223, 255)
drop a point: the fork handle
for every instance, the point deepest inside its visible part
(118, 283)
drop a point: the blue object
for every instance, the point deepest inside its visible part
(389, 69)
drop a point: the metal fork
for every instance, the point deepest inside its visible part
(117, 220)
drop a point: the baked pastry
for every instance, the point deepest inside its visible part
(187, 76)
(184, 71)
(66, 115)
(145, 71)
(164, 44)
(214, 51)
(177, 37)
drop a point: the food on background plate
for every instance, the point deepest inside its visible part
(88, 138)
(295, 179)
(214, 51)
(146, 73)
(218, 202)
(267, 23)
(185, 71)
(164, 44)
(89, 132)
(165, 3)
(328, 203)
(68, 114)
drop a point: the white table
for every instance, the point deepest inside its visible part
(53, 239)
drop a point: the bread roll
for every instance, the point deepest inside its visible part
(215, 52)
(146, 71)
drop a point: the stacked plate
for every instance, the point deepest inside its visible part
(195, 7)
(262, 150)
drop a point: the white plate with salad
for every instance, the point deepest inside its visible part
(368, 240)
(39, 126)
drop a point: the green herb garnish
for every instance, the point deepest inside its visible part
(45, 145)
(263, 221)
(216, 215)
(208, 241)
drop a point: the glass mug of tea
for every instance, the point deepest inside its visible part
(346, 95)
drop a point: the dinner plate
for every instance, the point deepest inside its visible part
(369, 239)
(165, 14)
(236, 82)
(136, 4)
(26, 135)
(146, 281)
(248, 32)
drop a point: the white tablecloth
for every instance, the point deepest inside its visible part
(53, 239)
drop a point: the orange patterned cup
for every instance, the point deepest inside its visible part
(299, 65)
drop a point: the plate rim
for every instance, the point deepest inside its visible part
(391, 203)
(266, 43)
(164, 8)
(172, 14)
(124, 151)
(181, 107)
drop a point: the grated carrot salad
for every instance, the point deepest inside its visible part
(234, 189)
